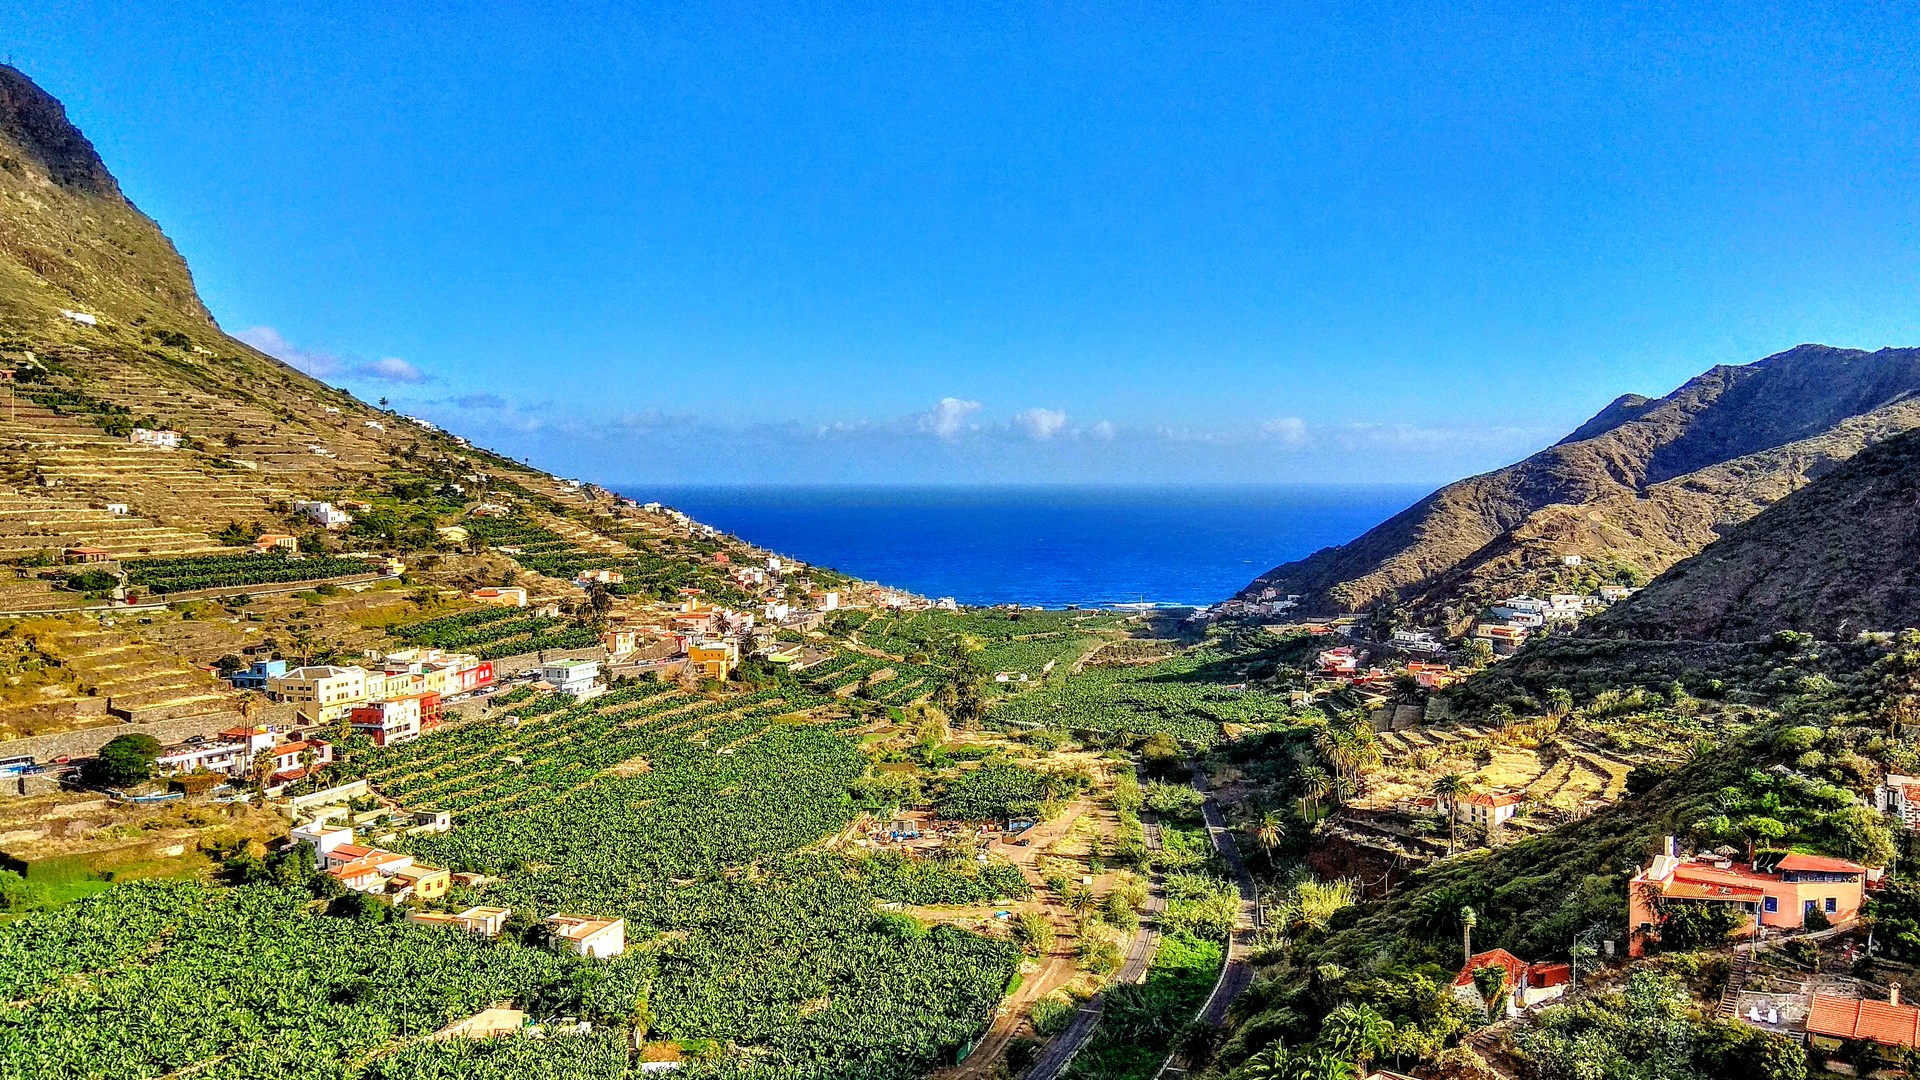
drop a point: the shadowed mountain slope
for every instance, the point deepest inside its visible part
(1642, 485)
(1839, 556)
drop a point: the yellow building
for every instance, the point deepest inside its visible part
(321, 692)
(714, 659)
(421, 882)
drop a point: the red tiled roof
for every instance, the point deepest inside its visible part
(1864, 1018)
(1797, 861)
(1503, 798)
(1695, 890)
(1499, 958)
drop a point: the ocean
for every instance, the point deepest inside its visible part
(1050, 546)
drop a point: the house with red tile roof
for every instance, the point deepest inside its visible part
(1526, 985)
(1488, 808)
(1832, 1020)
(1772, 891)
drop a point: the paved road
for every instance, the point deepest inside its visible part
(1060, 1050)
(1235, 974)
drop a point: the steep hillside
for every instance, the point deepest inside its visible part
(101, 331)
(1642, 485)
(1839, 556)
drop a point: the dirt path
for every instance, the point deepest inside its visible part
(1060, 967)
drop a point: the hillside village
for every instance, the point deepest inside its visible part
(335, 745)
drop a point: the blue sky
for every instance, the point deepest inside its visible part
(1022, 243)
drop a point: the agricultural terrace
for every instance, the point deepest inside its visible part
(873, 678)
(153, 978)
(690, 817)
(1019, 642)
(646, 572)
(223, 571)
(1187, 695)
(495, 632)
(1568, 761)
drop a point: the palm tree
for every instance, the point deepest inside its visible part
(1315, 785)
(1273, 1063)
(1356, 1033)
(1468, 920)
(1446, 790)
(1269, 832)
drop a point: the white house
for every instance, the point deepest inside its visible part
(324, 838)
(576, 677)
(161, 439)
(81, 317)
(117, 509)
(1414, 641)
(584, 935)
(323, 514)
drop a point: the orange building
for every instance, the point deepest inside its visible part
(1775, 890)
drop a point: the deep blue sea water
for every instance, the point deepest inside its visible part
(1050, 546)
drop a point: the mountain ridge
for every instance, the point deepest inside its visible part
(1644, 483)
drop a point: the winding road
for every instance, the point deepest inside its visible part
(1235, 974)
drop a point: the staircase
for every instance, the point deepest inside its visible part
(1743, 969)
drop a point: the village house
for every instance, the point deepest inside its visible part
(1433, 676)
(714, 660)
(1522, 610)
(825, 601)
(1522, 985)
(321, 692)
(1341, 660)
(486, 921)
(323, 514)
(431, 671)
(1488, 809)
(588, 578)
(81, 317)
(580, 678)
(1505, 638)
(160, 439)
(1774, 891)
(118, 509)
(325, 839)
(1566, 607)
(1899, 796)
(1833, 1020)
(501, 596)
(231, 752)
(396, 720)
(1414, 641)
(269, 542)
(295, 760)
(418, 882)
(620, 641)
(1613, 594)
(86, 555)
(584, 935)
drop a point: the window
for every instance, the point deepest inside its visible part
(1773, 905)
(1809, 907)
(1833, 904)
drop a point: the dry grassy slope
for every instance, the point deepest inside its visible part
(1644, 483)
(1836, 557)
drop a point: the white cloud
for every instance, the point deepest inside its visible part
(391, 369)
(1286, 430)
(948, 418)
(325, 365)
(1041, 423)
(1103, 430)
(320, 365)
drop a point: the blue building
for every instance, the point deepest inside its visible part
(257, 674)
